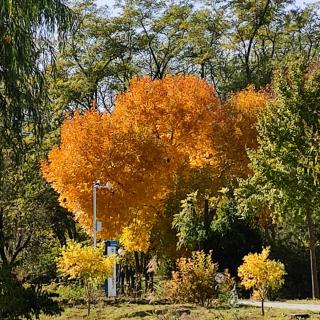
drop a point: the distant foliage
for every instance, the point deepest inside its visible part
(261, 274)
(194, 281)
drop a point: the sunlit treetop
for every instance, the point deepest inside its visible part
(177, 110)
(85, 262)
(234, 131)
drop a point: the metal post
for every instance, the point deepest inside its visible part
(96, 185)
(94, 204)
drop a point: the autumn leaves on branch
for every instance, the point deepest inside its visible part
(158, 130)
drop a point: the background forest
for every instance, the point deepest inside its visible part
(81, 93)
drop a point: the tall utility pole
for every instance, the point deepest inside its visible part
(96, 185)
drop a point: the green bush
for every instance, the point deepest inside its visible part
(71, 294)
(74, 293)
(195, 281)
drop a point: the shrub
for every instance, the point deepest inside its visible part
(195, 281)
(71, 294)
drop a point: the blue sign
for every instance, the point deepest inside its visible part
(111, 283)
(112, 243)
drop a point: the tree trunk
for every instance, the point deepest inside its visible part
(151, 282)
(122, 276)
(133, 282)
(89, 308)
(138, 272)
(206, 220)
(262, 307)
(313, 261)
(88, 290)
(146, 281)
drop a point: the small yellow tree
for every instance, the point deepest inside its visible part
(261, 274)
(85, 264)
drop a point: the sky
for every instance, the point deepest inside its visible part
(110, 3)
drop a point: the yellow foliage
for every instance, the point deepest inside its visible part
(136, 237)
(85, 263)
(261, 274)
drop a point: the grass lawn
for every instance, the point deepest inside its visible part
(303, 301)
(171, 312)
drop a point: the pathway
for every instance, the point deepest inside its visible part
(282, 305)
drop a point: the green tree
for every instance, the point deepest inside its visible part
(32, 228)
(18, 300)
(161, 27)
(95, 63)
(190, 37)
(26, 31)
(285, 167)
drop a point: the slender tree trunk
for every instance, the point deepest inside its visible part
(151, 282)
(87, 288)
(262, 307)
(205, 245)
(122, 275)
(313, 261)
(138, 272)
(89, 307)
(133, 282)
(202, 74)
(146, 281)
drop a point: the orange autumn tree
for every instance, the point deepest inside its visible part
(92, 148)
(177, 110)
(234, 131)
(156, 128)
(159, 130)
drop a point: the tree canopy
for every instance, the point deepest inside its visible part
(158, 130)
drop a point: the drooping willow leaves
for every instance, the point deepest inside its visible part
(26, 31)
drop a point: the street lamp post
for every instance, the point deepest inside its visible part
(97, 185)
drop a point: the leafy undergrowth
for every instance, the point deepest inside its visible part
(128, 311)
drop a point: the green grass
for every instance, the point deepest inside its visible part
(126, 311)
